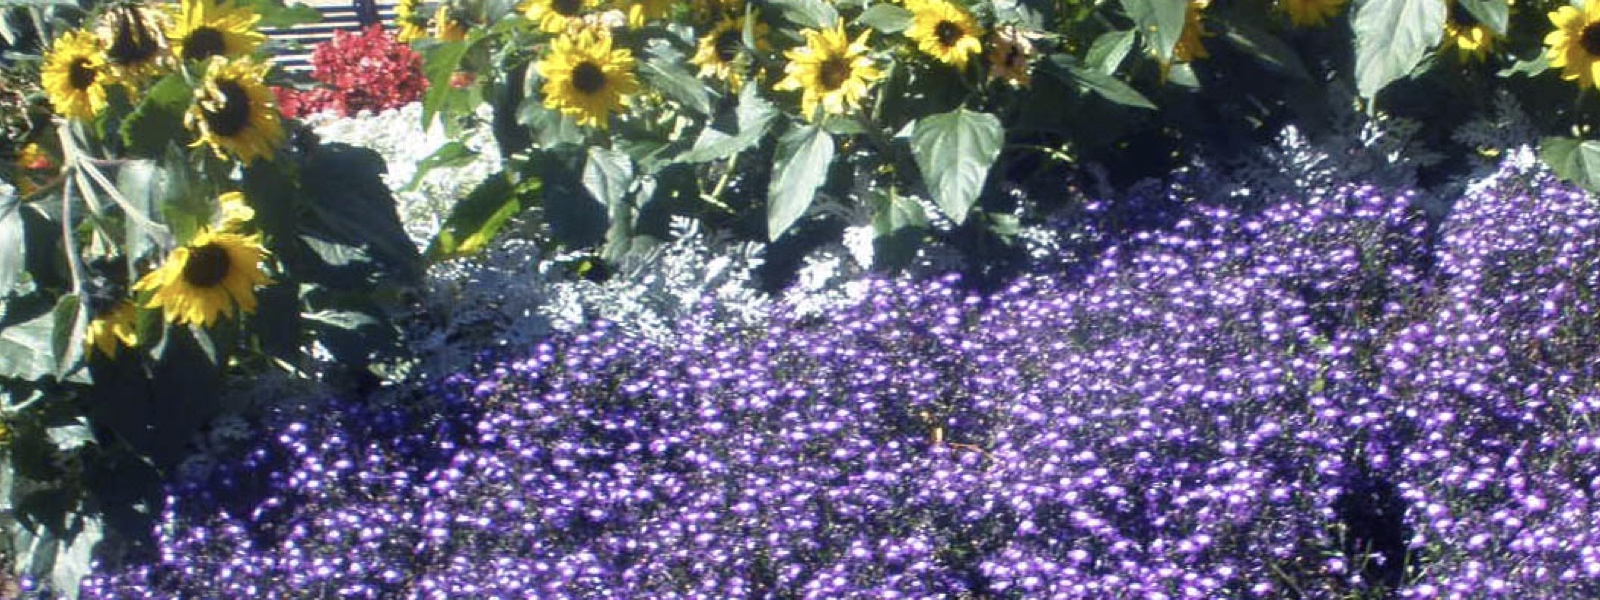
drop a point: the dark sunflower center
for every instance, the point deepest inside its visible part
(207, 266)
(567, 8)
(588, 78)
(832, 73)
(80, 75)
(234, 114)
(132, 40)
(1014, 57)
(947, 33)
(1462, 18)
(728, 45)
(204, 43)
(1591, 39)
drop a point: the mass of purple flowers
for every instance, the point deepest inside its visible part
(1320, 397)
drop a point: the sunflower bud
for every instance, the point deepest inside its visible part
(134, 39)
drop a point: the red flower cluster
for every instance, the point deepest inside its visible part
(360, 71)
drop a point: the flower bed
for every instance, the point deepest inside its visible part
(1321, 398)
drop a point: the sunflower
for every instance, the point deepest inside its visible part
(234, 112)
(643, 11)
(558, 16)
(1010, 52)
(233, 211)
(75, 76)
(1472, 39)
(1310, 13)
(116, 327)
(1575, 44)
(214, 273)
(410, 26)
(711, 11)
(447, 26)
(586, 79)
(944, 31)
(207, 28)
(721, 53)
(135, 41)
(831, 70)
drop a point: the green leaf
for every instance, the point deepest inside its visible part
(1266, 48)
(607, 174)
(474, 221)
(813, 14)
(274, 13)
(801, 167)
(439, 62)
(754, 116)
(350, 204)
(26, 349)
(67, 336)
(452, 154)
(13, 257)
(1531, 67)
(1577, 161)
(1496, 14)
(149, 191)
(1392, 37)
(663, 69)
(1067, 69)
(1108, 51)
(886, 18)
(954, 151)
(1161, 21)
(158, 119)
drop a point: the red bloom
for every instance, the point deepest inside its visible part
(368, 70)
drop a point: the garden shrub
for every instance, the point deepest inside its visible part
(1322, 397)
(363, 71)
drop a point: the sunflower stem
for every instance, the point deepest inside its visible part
(68, 242)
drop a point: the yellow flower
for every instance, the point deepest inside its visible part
(643, 11)
(135, 41)
(832, 72)
(234, 112)
(74, 75)
(710, 11)
(233, 211)
(1310, 13)
(410, 25)
(207, 28)
(1010, 52)
(944, 31)
(214, 273)
(722, 55)
(117, 327)
(586, 79)
(447, 27)
(558, 16)
(1189, 46)
(1574, 46)
(1471, 39)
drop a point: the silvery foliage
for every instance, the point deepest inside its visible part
(513, 295)
(397, 135)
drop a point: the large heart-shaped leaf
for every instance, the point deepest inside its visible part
(1574, 160)
(802, 166)
(1496, 14)
(1161, 21)
(954, 151)
(12, 244)
(1392, 37)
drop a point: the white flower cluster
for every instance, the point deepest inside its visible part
(397, 135)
